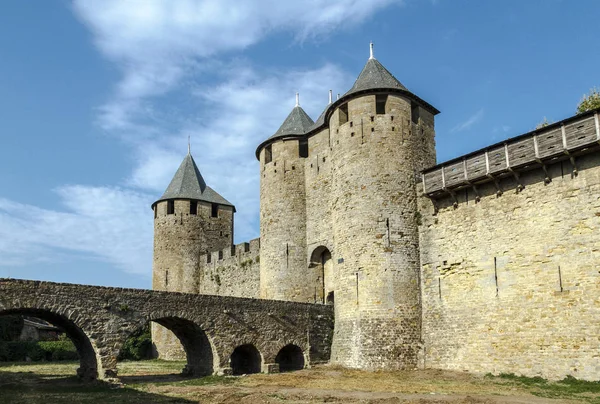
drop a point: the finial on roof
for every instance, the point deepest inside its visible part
(330, 96)
(297, 99)
(189, 145)
(372, 57)
(338, 96)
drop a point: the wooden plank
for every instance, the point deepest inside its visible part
(580, 133)
(454, 174)
(497, 160)
(521, 152)
(476, 167)
(433, 181)
(549, 143)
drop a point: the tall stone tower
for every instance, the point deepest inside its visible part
(382, 136)
(190, 219)
(284, 274)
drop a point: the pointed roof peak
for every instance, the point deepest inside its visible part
(187, 183)
(375, 76)
(297, 122)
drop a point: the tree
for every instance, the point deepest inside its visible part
(589, 102)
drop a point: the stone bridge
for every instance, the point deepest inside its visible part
(220, 335)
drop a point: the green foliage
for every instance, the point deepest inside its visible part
(246, 263)
(589, 101)
(123, 308)
(10, 327)
(569, 387)
(545, 122)
(15, 351)
(138, 346)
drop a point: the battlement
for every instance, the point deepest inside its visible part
(233, 271)
(562, 140)
(236, 251)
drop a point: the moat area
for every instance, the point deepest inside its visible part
(159, 382)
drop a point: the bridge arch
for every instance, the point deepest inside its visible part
(246, 359)
(290, 358)
(201, 355)
(88, 358)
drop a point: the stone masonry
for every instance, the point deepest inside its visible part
(485, 263)
(99, 320)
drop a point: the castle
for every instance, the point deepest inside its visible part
(485, 263)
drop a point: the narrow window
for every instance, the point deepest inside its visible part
(214, 210)
(343, 114)
(193, 207)
(414, 113)
(166, 278)
(380, 101)
(268, 154)
(303, 148)
(170, 207)
(155, 211)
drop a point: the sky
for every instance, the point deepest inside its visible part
(98, 98)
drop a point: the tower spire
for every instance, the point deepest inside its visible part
(189, 145)
(297, 99)
(330, 96)
(371, 48)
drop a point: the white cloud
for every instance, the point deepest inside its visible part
(472, 120)
(180, 48)
(111, 224)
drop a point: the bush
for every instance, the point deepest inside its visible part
(18, 351)
(138, 346)
(590, 101)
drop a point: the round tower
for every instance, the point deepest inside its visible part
(190, 219)
(380, 142)
(284, 274)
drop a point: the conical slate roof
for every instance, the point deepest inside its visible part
(374, 76)
(297, 123)
(189, 184)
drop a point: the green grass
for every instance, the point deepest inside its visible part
(567, 388)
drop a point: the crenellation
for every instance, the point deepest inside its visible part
(484, 263)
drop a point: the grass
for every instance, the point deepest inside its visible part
(567, 388)
(159, 382)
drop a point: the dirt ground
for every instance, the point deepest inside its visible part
(157, 382)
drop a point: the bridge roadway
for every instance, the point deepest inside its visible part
(99, 320)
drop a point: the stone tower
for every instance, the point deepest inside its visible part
(382, 136)
(190, 219)
(283, 271)
(339, 216)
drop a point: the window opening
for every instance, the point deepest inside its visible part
(380, 101)
(193, 207)
(343, 114)
(303, 148)
(414, 113)
(214, 210)
(268, 154)
(170, 207)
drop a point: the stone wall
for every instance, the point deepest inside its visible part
(284, 273)
(180, 240)
(375, 159)
(231, 272)
(511, 283)
(100, 319)
(319, 229)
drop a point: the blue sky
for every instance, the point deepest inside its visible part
(98, 98)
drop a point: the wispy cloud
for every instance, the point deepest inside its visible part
(100, 222)
(180, 49)
(472, 120)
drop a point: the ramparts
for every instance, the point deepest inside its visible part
(231, 272)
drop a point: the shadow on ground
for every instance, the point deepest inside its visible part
(27, 387)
